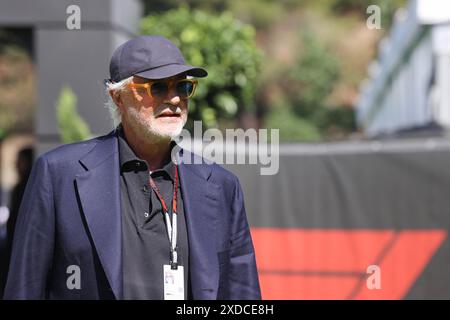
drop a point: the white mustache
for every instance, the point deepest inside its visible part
(170, 112)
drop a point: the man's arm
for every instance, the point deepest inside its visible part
(32, 252)
(243, 276)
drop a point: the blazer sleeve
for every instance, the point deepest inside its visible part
(243, 277)
(34, 235)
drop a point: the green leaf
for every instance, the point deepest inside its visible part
(71, 126)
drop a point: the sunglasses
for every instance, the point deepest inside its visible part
(184, 88)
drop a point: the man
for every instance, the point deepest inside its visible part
(115, 218)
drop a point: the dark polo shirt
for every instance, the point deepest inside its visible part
(145, 243)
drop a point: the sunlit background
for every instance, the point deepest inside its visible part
(358, 89)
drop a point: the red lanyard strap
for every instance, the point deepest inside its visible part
(171, 227)
(160, 197)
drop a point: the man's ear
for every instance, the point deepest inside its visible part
(116, 97)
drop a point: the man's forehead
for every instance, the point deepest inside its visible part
(137, 79)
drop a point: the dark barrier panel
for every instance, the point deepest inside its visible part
(358, 220)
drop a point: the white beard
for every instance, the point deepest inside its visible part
(151, 129)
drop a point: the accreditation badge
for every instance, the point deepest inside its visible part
(173, 283)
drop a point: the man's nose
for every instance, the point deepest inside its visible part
(172, 96)
(175, 100)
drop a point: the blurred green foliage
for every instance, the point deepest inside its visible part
(226, 47)
(71, 126)
(159, 6)
(305, 113)
(17, 91)
(263, 14)
(306, 83)
(292, 128)
(312, 77)
(335, 121)
(260, 13)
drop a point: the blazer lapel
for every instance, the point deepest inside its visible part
(99, 193)
(200, 199)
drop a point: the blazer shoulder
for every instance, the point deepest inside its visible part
(224, 177)
(72, 151)
(212, 171)
(222, 173)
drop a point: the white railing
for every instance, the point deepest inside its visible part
(408, 83)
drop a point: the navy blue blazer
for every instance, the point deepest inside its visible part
(70, 215)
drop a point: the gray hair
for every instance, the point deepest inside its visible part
(114, 111)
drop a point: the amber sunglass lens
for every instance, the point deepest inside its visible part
(185, 88)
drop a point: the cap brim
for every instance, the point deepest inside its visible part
(171, 70)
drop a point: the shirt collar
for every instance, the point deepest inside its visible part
(130, 162)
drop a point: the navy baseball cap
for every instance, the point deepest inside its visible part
(150, 57)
